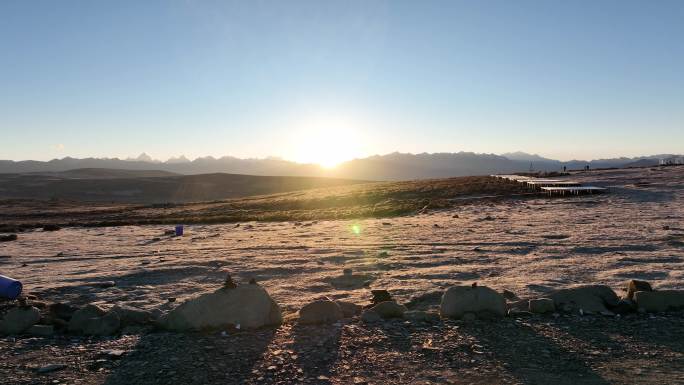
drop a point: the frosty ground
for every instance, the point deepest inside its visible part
(528, 246)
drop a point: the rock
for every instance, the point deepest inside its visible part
(8, 238)
(389, 309)
(61, 310)
(320, 312)
(104, 284)
(19, 319)
(625, 306)
(369, 316)
(660, 300)
(229, 283)
(51, 368)
(106, 325)
(82, 316)
(93, 320)
(515, 312)
(349, 309)
(347, 271)
(635, 285)
(249, 306)
(350, 281)
(420, 316)
(588, 299)
(469, 317)
(132, 316)
(380, 295)
(509, 295)
(542, 305)
(51, 228)
(114, 354)
(481, 300)
(41, 330)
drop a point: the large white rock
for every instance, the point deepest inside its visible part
(660, 300)
(459, 300)
(320, 312)
(589, 298)
(249, 306)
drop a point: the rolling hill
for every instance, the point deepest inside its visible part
(150, 186)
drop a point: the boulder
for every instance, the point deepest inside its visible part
(660, 300)
(389, 309)
(19, 319)
(249, 306)
(132, 316)
(61, 310)
(635, 285)
(320, 312)
(589, 298)
(41, 330)
(420, 316)
(349, 281)
(103, 326)
(369, 316)
(93, 320)
(542, 305)
(349, 309)
(480, 300)
(380, 295)
(509, 295)
(81, 317)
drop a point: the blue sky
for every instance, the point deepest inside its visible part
(325, 81)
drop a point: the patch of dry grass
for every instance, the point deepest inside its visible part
(383, 199)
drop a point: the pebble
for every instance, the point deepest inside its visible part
(51, 368)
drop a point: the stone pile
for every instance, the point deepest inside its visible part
(249, 306)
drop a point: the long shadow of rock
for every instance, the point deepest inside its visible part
(317, 348)
(531, 357)
(634, 335)
(192, 358)
(93, 289)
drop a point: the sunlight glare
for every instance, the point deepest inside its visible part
(326, 141)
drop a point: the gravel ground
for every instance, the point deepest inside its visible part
(524, 350)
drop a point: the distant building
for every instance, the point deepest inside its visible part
(672, 161)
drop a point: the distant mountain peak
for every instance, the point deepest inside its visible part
(142, 158)
(180, 159)
(520, 155)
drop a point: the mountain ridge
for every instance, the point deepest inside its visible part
(392, 166)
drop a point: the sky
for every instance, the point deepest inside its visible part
(325, 81)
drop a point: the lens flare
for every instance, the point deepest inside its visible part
(356, 229)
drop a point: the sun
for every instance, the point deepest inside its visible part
(326, 142)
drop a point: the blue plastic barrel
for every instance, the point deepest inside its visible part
(9, 288)
(179, 230)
